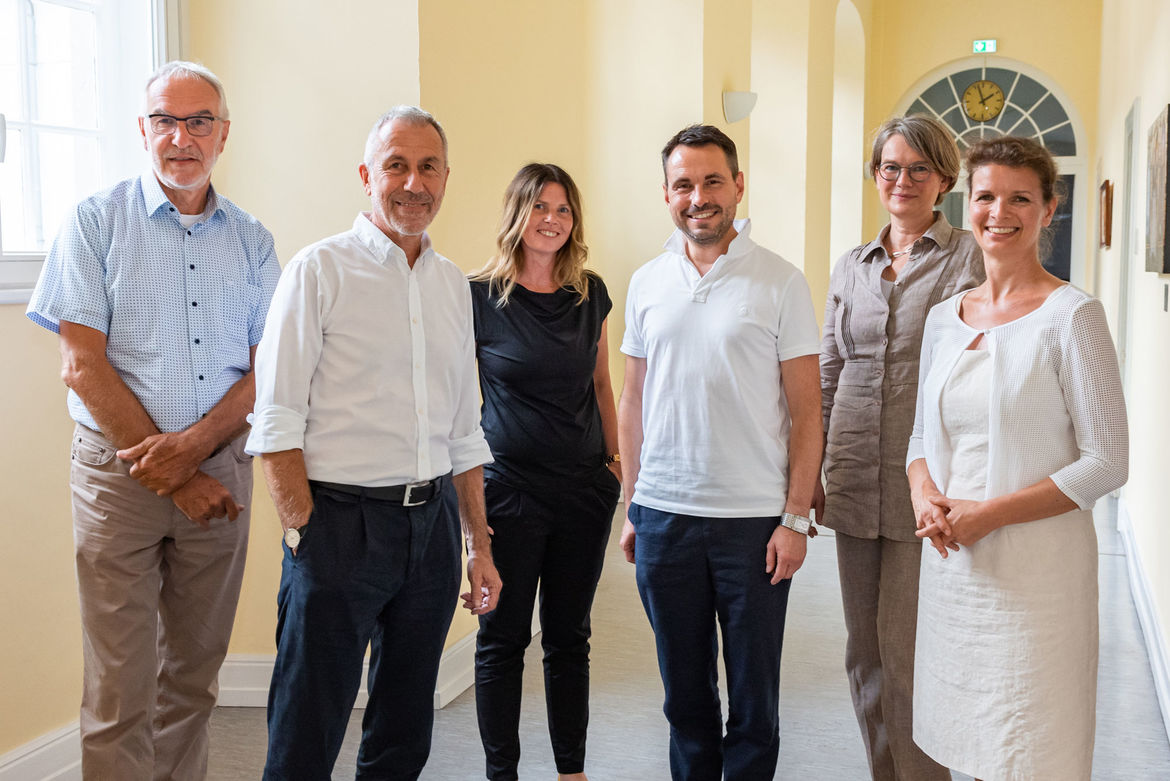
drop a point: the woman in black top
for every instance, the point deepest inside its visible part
(549, 416)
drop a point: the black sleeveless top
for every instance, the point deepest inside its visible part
(537, 355)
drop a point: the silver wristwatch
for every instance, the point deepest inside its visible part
(798, 523)
(292, 538)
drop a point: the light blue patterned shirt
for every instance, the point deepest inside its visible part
(180, 307)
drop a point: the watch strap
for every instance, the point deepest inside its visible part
(797, 523)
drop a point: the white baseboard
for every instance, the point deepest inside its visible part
(243, 682)
(244, 678)
(1143, 600)
(54, 756)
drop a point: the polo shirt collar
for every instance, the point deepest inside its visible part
(940, 232)
(154, 198)
(379, 244)
(740, 245)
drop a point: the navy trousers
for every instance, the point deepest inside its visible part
(555, 544)
(367, 573)
(692, 572)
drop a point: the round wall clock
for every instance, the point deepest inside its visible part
(983, 100)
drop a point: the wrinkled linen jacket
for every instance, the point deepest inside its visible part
(869, 374)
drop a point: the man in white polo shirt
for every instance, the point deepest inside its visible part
(720, 434)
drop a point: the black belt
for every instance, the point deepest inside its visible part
(408, 495)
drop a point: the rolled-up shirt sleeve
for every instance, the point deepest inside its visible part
(286, 360)
(467, 447)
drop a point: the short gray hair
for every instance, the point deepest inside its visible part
(928, 137)
(189, 70)
(412, 115)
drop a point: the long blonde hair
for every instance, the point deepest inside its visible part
(506, 264)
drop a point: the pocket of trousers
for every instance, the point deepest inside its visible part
(92, 454)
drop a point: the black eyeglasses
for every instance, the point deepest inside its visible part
(165, 124)
(918, 172)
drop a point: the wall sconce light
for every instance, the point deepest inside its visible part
(737, 105)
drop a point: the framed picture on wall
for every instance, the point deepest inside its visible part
(1105, 228)
(1157, 201)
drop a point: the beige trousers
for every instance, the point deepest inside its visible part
(879, 589)
(158, 597)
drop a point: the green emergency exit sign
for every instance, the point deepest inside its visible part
(984, 47)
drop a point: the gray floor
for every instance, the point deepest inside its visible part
(819, 737)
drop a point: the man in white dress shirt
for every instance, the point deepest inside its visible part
(720, 434)
(367, 421)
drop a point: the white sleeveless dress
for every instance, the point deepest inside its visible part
(1006, 662)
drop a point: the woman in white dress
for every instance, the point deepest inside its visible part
(1020, 428)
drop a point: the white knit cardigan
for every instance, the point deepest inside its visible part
(1056, 408)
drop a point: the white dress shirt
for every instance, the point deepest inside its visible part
(714, 414)
(368, 365)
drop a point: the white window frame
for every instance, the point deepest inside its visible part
(19, 270)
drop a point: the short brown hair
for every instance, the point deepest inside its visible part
(702, 135)
(1016, 152)
(928, 137)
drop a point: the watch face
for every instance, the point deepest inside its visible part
(983, 100)
(292, 538)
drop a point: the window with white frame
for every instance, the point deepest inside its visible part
(71, 76)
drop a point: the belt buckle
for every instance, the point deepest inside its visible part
(406, 494)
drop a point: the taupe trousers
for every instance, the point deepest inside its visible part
(869, 384)
(158, 597)
(879, 591)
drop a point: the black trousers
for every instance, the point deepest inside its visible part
(367, 573)
(554, 544)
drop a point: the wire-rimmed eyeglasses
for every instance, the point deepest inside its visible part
(919, 172)
(198, 125)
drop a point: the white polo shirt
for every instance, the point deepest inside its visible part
(714, 416)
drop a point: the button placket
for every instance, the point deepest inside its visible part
(199, 322)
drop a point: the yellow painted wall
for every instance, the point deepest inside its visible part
(1135, 64)
(780, 126)
(40, 644)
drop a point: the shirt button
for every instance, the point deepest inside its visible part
(188, 233)
(192, 266)
(196, 341)
(201, 376)
(194, 303)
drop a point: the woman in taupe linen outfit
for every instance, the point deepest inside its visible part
(878, 298)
